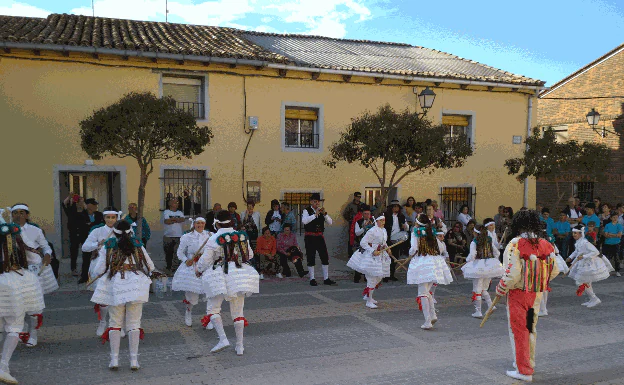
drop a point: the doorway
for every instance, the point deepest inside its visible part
(104, 183)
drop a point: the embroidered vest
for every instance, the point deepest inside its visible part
(317, 225)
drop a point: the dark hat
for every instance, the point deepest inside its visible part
(590, 205)
(357, 194)
(315, 197)
(274, 202)
(91, 201)
(365, 207)
(395, 202)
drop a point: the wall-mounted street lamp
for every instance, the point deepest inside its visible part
(593, 117)
(425, 99)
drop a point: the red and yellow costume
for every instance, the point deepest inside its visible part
(531, 266)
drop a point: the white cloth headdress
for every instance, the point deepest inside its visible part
(119, 232)
(489, 223)
(19, 207)
(476, 231)
(198, 219)
(110, 212)
(581, 230)
(380, 218)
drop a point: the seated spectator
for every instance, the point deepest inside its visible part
(251, 221)
(436, 211)
(265, 256)
(463, 215)
(456, 242)
(469, 230)
(288, 249)
(561, 231)
(289, 217)
(550, 223)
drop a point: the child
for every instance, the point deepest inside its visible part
(591, 234)
(561, 231)
(587, 266)
(481, 266)
(611, 247)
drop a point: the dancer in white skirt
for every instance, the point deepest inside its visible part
(481, 266)
(123, 269)
(443, 252)
(94, 244)
(588, 266)
(20, 293)
(185, 278)
(426, 267)
(371, 260)
(39, 253)
(228, 276)
(562, 266)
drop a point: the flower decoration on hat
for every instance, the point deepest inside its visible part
(5, 229)
(136, 242)
(15, 229)
(111, 243)
(234, 237)
(221, 240)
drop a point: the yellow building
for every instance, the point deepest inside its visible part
(301, 90)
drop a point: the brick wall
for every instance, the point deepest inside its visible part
(604, 79)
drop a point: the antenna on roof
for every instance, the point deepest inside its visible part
(166, 11)
(93, 8)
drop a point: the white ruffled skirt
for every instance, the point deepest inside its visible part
(590, 270)
(368, 264)
(430, 268)
(243, 281)
(133, 288)
(185, 280)
(47, 280)
(20, 292)
(483, 268)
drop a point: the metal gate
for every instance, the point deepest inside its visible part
(453, 198)
(298, 201)
(189, 187)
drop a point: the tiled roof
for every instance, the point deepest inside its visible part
(378, 57)
(297, 50)
(74, 30)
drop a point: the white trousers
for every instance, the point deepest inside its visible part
(12, 324)
(130, 312)
(193, 298)
(424, 289)
(371, 281)
(480, 284)
(236, 305)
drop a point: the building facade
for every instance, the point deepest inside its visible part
(295, 93)
(564, 107)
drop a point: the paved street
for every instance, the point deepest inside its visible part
(304, 335)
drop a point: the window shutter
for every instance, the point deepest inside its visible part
(182, 92)
(302, 114)
(455, 120)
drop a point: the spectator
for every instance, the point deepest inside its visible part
(409, 211)
(73, 206)
(395, 224)
(273, 218)
(463, 215)
(561, 231)
(613, 236)
(456, 242)
(597, 203)
(251, 222)
(376, 208)
(210, 217)
(146, 233)
(436, 211)
(265, 255)
(362, 222)
(605, 214)
(236, 219)
(590, 215)
(620, 210)
(469, 231)
(288, 249)
(550, 223)
(579, 207)
(349, 213)
(592, 233)
(435, 221)
(418, 209)
(573, 212)
(289, 217)
(173, 220)
(86, 219)
(498, 218)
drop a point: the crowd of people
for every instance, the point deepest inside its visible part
(225, 255)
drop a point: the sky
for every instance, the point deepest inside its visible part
(545, 39)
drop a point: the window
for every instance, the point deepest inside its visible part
(458, 124)
(584, 190)
(253, 191)
(453, 198)
(189, 187)
(187, 92)
(370, 193)
(561, 133)
(298, 201)
(301, 127)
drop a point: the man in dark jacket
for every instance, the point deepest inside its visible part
(210, 217)
(82, 215)
(349, 213)
(395, 223)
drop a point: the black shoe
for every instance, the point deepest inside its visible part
(385, 280)
(329, 282)
(82, 280)
(313, 282)
(394, 279)
(303, 274)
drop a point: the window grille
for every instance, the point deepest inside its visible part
(585, 191)
(452, 198)
(189, 187)
(298, 201)
(457, 125)
(301, 127)
(187, 92)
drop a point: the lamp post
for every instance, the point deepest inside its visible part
(425, 99)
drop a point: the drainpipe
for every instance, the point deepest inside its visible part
(526, 180)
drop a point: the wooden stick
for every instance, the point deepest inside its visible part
(489, 311)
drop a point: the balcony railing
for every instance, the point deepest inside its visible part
(297, 140)
(196, 109)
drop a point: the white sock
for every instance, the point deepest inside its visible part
(311, 272)
(325, 271)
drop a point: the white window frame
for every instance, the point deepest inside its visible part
(164, 167)
(319, 126)
(180, 79)
(472, 124)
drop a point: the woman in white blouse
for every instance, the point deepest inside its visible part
(463, 216)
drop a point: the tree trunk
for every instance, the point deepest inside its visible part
(559, 195)
(141, 201)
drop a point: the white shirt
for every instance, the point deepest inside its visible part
(376, 236)
(255, 217)
(585, 248)
(190, 243)
(173, 230)
(495, 243)
(276, 226)
(360, 230)
(35, 239)
(395, 224)
(95, 237)
(306, 218)
(464, 218)
(434, 221)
